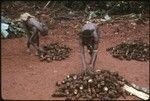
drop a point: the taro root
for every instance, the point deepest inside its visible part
(75, 92)
(105, 89)
(75, 77)
(55, 51)
(48, 59)
(90, 80)
(63, 82)
(81, 87)
(58, 83)
(136, 50)
(67, 92)
(101, 84)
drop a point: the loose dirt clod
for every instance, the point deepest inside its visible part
(55, 51)
(136, 50)
(89, 85)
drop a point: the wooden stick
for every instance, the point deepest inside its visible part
(47, 4)
(135, 92)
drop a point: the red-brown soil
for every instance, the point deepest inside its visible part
(25, 77)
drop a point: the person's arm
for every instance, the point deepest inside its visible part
(82, 54)
(94, 56)
(95, 49)
(34, 33)
(31, 40)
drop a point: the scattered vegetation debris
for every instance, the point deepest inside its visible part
(101, 84)
(55, 51)
(11, 28)
(136, 50)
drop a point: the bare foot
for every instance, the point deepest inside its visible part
(36, 53)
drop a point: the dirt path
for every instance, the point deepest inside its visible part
(25, 77)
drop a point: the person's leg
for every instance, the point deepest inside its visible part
(94, 55)
(36, 39)
(28, 42)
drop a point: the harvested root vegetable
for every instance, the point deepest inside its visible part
(136, 50)
(55, 51)
(90, 85)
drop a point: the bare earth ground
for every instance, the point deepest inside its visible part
(26, 77)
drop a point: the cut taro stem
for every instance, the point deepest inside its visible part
(105, 88)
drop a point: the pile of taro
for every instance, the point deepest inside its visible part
(101, 84)
(55, 51)
(136, 50)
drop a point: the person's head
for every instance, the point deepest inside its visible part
(25, 16)
(86, 34)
